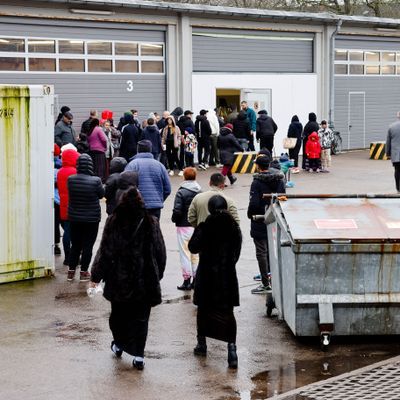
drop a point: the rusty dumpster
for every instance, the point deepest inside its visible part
(335, 264)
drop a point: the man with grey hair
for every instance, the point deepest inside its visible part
(85, 128)
(393, 149)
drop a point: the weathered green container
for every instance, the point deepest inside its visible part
(26, 182)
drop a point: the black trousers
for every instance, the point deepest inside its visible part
(267, 142)
(182, 157)
(294, 154)
(129, 324)
(251, 143)
(303, 163)
(172, 155)
(396, 166)
(203, 148)
(83, 237)
(214, 152)
(57, 222)
(262, 259)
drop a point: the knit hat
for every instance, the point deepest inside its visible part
(144, 146)
(189, 130)
(68, 146)
(229, 126)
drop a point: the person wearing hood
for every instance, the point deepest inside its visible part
(127, 179)
(184, 230)
(313, 152)
(295, 131)
(131, 262)
(85, 191)
(152, 134)
(214, 153)
(117, 165)
(311, 126)
(203, 133)
(266, 180)
(228, 145)
(265, 130)
(178, 111)
(130, 137)
(218, 240)
(241, 130)
(69, 158)
(185, 122)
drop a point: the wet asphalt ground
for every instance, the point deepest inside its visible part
(54, 340)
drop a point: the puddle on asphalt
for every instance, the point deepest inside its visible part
(177, 300)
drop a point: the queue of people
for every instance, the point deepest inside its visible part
(130, 165)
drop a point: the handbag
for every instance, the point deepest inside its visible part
(289, 143)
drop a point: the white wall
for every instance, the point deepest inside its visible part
(291, 94)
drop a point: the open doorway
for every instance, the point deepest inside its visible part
(225, 98)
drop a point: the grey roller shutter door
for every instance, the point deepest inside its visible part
(248, 51)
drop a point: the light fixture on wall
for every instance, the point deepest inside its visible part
(90, 12)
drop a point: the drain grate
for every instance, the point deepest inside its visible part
(379, 381)
(382, 383)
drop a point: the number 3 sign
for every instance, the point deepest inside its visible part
(129, 86)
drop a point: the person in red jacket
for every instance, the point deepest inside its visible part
(313, 152)
(69, 158)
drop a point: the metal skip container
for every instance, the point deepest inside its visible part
(335, 264)
(26, 182)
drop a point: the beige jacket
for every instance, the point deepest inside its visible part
(198, 210)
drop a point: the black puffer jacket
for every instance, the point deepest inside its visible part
(265, 126)
(117, 165)
(130, 137)
(272, 181)
(241, 126)
(295, 129)
(227, 145)
(84, 191)
(219, 241)
(184, 123)
(202, 127)
(311, 126)
(131, 258)
(183, 198)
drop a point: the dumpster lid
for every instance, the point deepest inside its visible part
(340, 218)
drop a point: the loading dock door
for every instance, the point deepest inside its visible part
(356, 121)
(258, 99)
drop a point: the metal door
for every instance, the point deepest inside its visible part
(258, 99)
(356, 121)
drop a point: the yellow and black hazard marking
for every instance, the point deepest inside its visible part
(377, 151)
(243, 163)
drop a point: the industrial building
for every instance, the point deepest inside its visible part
(150, 56)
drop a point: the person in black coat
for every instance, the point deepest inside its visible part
(203, 133)
(152, 134)
(131, 261)
(267, 180)
(227, 146)
(218, 240)
(241, 129)
(84, 215)
(130, 137)
(184, 230)
(311, 126)
(185, 121)
(295, 131)
(265, 130)
(117, 165)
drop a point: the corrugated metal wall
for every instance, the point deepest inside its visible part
(251, 51)
(83, 92)
(382, 97)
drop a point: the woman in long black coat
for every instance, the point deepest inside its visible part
(216, 291)
(131, 261)
(295, 131)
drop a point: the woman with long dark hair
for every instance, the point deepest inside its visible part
(171, 140)
(131, 261)
(216, 291)
(97, 140)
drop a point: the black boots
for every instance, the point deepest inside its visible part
(185, 285)
(232, 179)
(201, 348)
(232, 356)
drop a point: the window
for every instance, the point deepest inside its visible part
(152, 67)
(356, 55)
(42, 64)
(126, 66)
(100, 66)
(389, 57)
(71, 47)
(41, 46)
(12, 45)
(126, 49)
(71, 65)
(388, 70)
(80, 56)
(356, 69)
(341, 55)
(12, 64)
(341, 69)
(99, 48)
(372, 56)
(151, 49)
(373, 70)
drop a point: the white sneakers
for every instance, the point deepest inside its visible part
(180, 173)
(171, 173)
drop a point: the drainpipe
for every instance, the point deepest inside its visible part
(332, 75)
